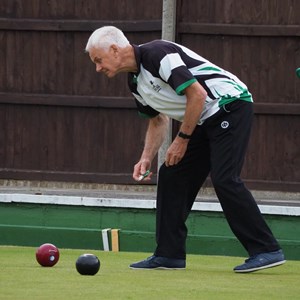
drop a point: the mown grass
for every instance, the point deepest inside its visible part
(206, 277)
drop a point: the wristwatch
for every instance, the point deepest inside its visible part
(184, 136)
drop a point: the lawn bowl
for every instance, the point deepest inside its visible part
(47, 255)
(87, 264)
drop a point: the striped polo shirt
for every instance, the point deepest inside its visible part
(166, 69)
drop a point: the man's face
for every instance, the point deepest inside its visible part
(106, 61)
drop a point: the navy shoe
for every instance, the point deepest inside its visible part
(158, 262)
(261, 261)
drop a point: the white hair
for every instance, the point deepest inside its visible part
(106, 36)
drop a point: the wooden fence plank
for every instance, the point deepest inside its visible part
(78, 25)
(239, 29)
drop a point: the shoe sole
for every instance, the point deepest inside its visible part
(261, 268)
(157, 268)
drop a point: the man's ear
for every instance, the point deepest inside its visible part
(114, 48)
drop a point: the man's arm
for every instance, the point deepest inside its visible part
(155, 135)
(195, 95)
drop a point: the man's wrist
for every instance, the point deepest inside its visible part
(184, 135)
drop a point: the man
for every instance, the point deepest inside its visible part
(215, 111)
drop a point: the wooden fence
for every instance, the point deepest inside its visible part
(62, 121)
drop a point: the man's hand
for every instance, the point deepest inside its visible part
(141, 168)
(176, 151)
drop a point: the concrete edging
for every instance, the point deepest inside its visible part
(131, 203)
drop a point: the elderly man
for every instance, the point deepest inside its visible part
(215, 109)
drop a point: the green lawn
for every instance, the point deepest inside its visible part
(206, 277)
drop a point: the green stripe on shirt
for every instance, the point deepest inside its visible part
(182, 87)
(245, 96)
(210, 69)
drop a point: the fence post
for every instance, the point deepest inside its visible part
(168, 33)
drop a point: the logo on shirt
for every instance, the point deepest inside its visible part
(156, 87)
(224, 124)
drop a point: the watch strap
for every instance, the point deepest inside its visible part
(184, 136)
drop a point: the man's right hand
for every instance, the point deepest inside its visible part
(141, 168)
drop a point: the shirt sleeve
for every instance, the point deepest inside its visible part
(175, 72)
(146, 111)
(180, 79)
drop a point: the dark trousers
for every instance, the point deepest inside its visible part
(217, 147)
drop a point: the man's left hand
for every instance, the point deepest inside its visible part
(176, 151)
